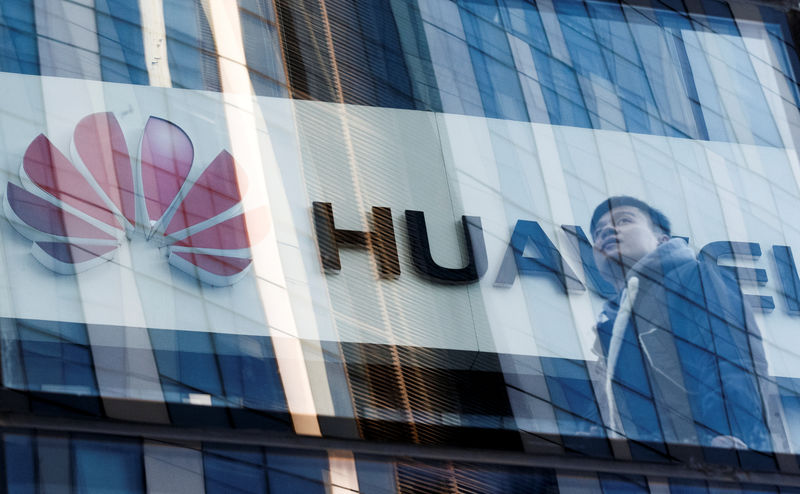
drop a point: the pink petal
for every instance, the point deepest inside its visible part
(235, 233)
(216, 191)
(52, 172)
(218, 265)
(74, 253)
(47, 218)
(167, 155)
(102, 147)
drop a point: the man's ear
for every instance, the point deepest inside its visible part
(663, 238)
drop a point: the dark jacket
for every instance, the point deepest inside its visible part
(684, 356)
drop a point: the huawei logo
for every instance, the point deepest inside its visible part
(78, 212)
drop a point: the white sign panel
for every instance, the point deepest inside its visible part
(173, 209)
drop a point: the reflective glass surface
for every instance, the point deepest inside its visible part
(549, 228)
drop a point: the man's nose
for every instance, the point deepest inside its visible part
(606, 231)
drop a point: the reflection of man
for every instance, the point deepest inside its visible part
(682, 349)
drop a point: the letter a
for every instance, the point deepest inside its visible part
(550, 262)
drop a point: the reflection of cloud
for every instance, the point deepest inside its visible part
(154, 38)
(243, 118)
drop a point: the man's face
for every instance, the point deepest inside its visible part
(625, 234)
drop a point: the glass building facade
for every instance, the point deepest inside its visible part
(324, 357)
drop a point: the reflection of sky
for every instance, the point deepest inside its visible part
(605, 66)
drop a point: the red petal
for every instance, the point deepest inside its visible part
(216, 191)
(235, 233)
(167, 155)
(101, 145)
(52, 171)
(218, 265)
(72, 253)
(47, 218)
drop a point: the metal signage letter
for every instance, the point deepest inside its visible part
(421, 251)
(550, 261)
(380, 240)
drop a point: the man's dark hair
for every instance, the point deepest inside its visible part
(658, 218)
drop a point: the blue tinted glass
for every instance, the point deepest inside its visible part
(631, 65)
(53, 450)
(718, 18)
(424, 477)
(261, 8)
(743, 404)
(499, 88)
(788, 65)
(241, 470)
(744, 83)
(20, 467)
(262, 52)
(630, 357)
(612, 30)
(190, 46)
(106, 466)
(789, 389)
(615, 484)
(289, 473)
(717, 125)
(704, 390)
(687, 487)
(569, 386)
(56, 356)
(369, 57)
(185, 65)
(120, 40)
(780, 38)
(203, 374)
(486, 37)
(638, 415)
(180, 17)
(384, 54)
(522, 19)
(561, 92)
(575, 407)
(433, 476)
(504, 479)
(18, 49)
(375, 475)
(485, 9)
(585, 53)
(187, 365)
(763, 489)
(249, 372)
(603, 47)
(264, 86)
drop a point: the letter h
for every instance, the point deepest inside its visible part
(380, 240)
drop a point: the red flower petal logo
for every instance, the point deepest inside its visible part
(78, 212)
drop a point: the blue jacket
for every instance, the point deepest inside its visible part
(684, 357)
